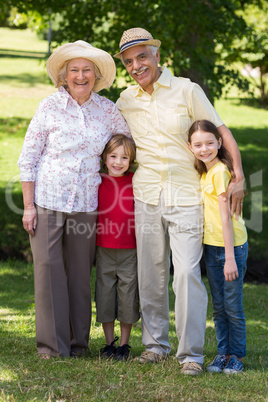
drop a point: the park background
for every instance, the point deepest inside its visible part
(223, 46)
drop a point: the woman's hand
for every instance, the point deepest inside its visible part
(30, 220)
(230, 270)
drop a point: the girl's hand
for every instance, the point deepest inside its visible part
(29, 220)
(230, 270)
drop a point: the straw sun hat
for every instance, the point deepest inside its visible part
(81, 49)
(135, 37)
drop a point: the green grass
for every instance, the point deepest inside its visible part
(23, 377)
(23, 80)
(21, 40)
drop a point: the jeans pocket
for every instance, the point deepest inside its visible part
(241, 255)
(241, 251)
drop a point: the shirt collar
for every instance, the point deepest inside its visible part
(95, 98)
(165, 78)
(163, 81)
(65, 97)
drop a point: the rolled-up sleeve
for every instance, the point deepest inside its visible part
(200, 107)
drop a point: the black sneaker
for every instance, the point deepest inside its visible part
(122, 352)
(79, 353)
(109, 350)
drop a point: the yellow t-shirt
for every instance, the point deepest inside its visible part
(214, 183)
(159, 125)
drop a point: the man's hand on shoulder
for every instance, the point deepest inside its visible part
(235, 193)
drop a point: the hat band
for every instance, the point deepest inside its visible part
(132, 43)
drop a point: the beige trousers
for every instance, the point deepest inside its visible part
(159, 228)
(63, 250)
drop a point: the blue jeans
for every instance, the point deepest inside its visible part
(227, 298)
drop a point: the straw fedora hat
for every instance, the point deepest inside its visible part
(135, 37)
(81, 49)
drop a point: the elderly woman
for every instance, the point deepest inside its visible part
(59, 166)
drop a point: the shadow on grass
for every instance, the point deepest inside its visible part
(27, 79)
(26, 54)
(21, 289)
(16, 286)
(13, 126)
(14, 240)
(253, 144)
(251, 102)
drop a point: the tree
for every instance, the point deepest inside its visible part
(252, 50)
(191, 32)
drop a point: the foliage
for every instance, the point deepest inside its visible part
(36, 21)
(23, 377)
(4, 13)
(17, 20)
(252, 50)
(22, 20)
(190, 31)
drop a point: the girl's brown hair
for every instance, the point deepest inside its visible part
(115, 142)
(223, 155)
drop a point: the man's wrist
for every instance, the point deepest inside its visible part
(239, 176)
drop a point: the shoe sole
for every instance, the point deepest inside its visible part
(121, 358)
(145, 361)
(214, 370)
(229, 371)
(106, 357)
(192, 372)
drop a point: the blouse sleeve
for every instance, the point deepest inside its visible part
(119, 124)
(33, 146)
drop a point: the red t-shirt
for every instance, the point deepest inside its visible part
(116, 223)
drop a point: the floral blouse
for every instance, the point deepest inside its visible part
(62, 148)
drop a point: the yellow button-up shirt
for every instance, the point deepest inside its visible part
(159, 124)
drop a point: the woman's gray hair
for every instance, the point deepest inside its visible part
(63, 73)
(153, 50)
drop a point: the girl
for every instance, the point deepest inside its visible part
(226, 247)
(116, 260)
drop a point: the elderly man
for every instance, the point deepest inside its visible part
(168, 205)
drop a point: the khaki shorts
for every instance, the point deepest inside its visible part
(117, 285)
